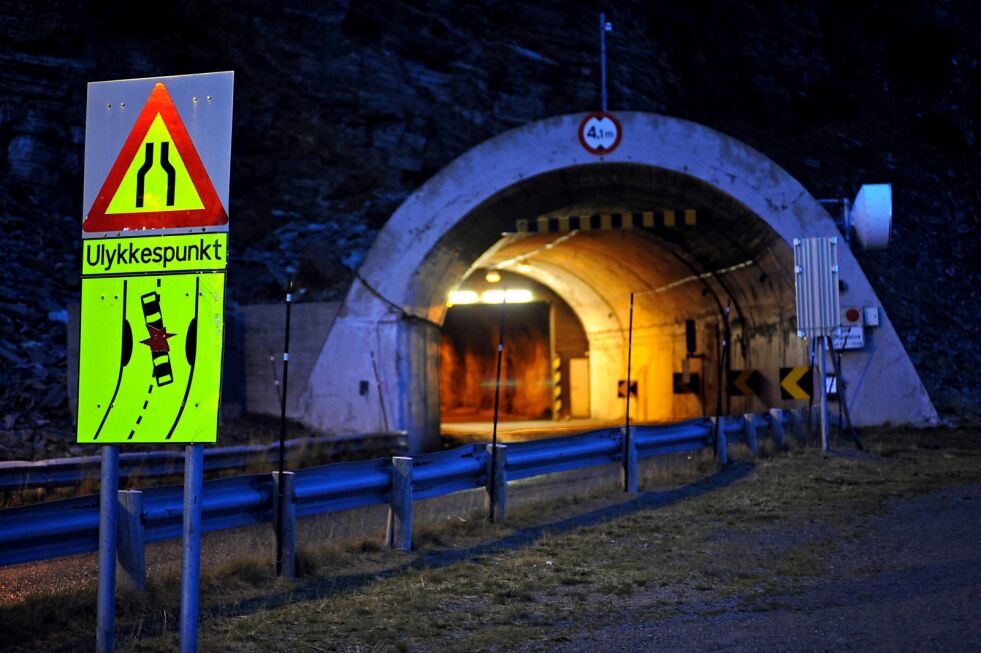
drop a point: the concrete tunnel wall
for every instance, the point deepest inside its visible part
(387, 331)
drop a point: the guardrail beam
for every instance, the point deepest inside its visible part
(400, 509)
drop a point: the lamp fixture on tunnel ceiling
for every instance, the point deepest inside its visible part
(493, 276)
(510, 296)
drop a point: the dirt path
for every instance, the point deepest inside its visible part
(911, 582)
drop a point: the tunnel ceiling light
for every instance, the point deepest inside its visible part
(512, 296)
(493, 276)
(524, 267)
(463, 297)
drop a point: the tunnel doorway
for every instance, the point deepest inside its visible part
(735, 265)
(543, 342)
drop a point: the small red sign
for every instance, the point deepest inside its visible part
(600, 132)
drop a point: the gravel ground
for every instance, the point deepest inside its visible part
(912, 582)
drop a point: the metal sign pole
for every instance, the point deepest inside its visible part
(280, 494)
(626, 428)
(497, 399)
(108, 489)
(191, 559)
(821, 350)
(604, 28)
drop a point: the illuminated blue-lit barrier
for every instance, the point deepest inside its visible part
(59, 472)
(60, 528)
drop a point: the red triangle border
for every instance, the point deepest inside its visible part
(212, 214)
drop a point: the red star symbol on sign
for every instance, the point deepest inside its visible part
(157, 342)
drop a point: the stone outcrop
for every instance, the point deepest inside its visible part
(342, 109)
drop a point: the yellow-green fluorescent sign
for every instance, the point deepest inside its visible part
(150, 358)
(151, 254)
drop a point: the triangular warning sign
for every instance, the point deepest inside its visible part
(158, 180)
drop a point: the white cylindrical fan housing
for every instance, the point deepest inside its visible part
(871, 215)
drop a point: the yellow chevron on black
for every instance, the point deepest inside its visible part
(556, 387)
(665, 218)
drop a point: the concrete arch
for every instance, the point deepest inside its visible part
(388, 328)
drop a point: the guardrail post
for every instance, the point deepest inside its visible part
(400, 509)
(751, 439)
(497, 483)
(798, 416)
(776, 426)
(721, 443)
(288, 560)
(629, 472)
(129, 540)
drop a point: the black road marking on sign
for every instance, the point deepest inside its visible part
(169, 169)
(122, 364)
(190, 376)
(145, 168)
(141, 174)
(139, 418)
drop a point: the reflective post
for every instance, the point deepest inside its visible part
(108, 488)
(191, 561)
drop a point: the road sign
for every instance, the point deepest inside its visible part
(150, 358)
(796, 382)
(600, 132)
(622, 386)
(681, 387)
(745, 383)
(157, 154)
(154, 256)
(848, 337)
(816, 284)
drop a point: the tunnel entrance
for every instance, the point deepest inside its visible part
(543, 339)
(694, 225)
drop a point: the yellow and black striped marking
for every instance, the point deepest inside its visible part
(664, 219)
(556, 387)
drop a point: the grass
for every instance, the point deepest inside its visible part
(566, 566)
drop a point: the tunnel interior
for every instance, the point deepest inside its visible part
(705, 258)
(543, 336)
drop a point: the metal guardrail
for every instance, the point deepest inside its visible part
(60, 528)
(60, 472)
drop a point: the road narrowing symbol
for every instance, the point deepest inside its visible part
(158, 180)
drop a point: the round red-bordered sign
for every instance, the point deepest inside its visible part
(600, 132)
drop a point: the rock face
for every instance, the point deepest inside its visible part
(343, 109)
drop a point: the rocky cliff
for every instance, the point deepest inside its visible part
(342, 109)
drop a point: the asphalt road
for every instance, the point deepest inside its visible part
(911, 583)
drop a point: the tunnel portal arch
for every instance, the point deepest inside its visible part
(749, 211)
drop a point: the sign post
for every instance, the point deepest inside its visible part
(154, 254)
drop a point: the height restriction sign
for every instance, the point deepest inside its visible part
(154, 254)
